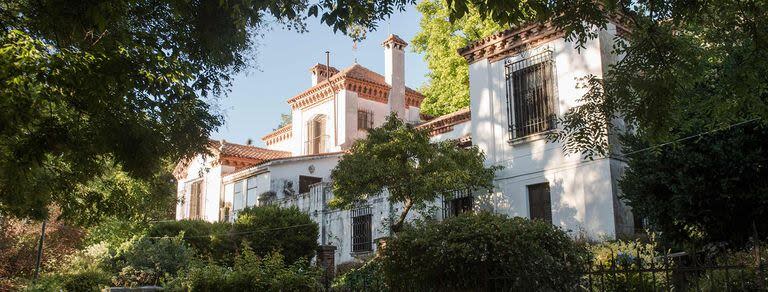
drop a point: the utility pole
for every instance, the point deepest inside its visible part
(39, 251)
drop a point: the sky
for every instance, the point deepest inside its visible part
(281, 70)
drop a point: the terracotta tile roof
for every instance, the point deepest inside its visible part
(445, 123)
(395, 39)
(246, 151)
(354, 72)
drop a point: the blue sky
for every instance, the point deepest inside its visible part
(282, 61)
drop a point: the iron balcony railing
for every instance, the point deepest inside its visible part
(316, 145)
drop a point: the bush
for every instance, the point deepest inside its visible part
(266, 229)
(628, 255)
(211, 240)
(746, 279)
(114, 232)
(468, 251)
(85, 280)
(250, 273)
(147, 261)
(368, 277)
(271, 228)
(90, 280)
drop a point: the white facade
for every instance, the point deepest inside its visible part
(583, 193)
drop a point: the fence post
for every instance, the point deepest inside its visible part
(326, 259)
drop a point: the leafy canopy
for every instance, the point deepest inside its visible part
(713, 188)
(400, 159)
(98, 94)
(439, 39)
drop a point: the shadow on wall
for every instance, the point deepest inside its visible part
(563, 214)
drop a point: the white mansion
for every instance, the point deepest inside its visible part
(520, 81)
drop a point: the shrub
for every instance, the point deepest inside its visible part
(468, 251)
(747, 279)
(368, 277)
(84, 280)
(271, 228)
(147, 261)
(114, 232)
(250, 273)
(89, 280)
(628, 255)
(211, 240)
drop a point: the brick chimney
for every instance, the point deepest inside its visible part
(320, 72)
(394, 73)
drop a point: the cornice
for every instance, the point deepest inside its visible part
(444, 124)
(278, 135)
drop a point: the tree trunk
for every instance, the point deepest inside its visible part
(399, 224)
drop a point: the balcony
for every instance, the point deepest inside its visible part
(316, 145)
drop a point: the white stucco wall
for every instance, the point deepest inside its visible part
(582, 193)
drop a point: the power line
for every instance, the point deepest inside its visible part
(239, 233)
(692, 136)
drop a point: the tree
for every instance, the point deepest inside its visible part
(400, 159)
(439, 40)
(94, 94)
(285, 119)
(713, 188)
(467, 252)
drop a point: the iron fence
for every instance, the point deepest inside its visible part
(616, 272)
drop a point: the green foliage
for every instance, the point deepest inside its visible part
(629, 255)
(748, 279)
(147, 261)
(91, 280)
(83, 280)
(265, 229)
(210, 240)
(114, 232)
(708, 189)
(369, 277)
(285, 119)
(439, 39)
(251, 273)
(401, 159)
(271, 228)
(462, 252)
(96, 95)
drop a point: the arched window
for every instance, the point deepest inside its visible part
(316, 137)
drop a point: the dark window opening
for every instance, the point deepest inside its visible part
(461, 202)
(364, 120)
(305, 182)
(530, 95)
(362, 240)
(540, 203)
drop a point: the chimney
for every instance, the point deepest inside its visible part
(321, 72)
(394, 73)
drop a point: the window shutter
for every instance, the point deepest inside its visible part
(540, 202)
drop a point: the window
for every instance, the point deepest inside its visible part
(530, 95)
(237, 196)
(361, 230)
(364, 120)
(250, 192)
(316, 137)
(305, 182)
(462, 202)
(540, 203)
(195, 200)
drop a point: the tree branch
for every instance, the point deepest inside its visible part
(399, 224)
